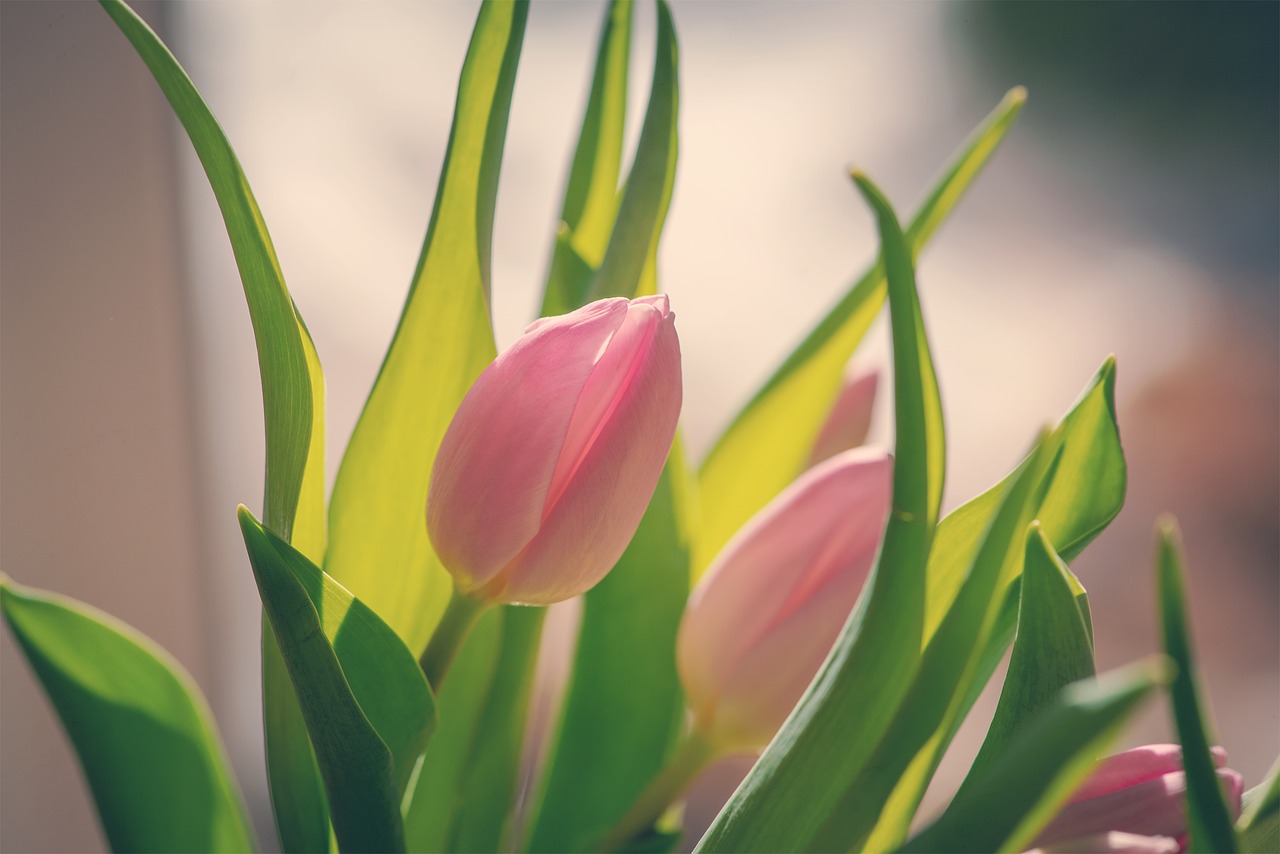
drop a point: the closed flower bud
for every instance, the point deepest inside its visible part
(554, 453)
(768, 611)
(1138, 792)
(849, 420)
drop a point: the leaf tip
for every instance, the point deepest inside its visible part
(1016, 97)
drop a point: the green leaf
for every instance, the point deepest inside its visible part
(488, 785)
(591, 198)
(805, 773)
(629, 266)
(437, 798)
(1053, 648)
(1019, 794)
(293, 408)
(1087, 469)
(142, 731)
(767, 444)
(1208, 819)
(937, 695)
(624, 707)
(378, 544)
(367, 706)
(1259, 824)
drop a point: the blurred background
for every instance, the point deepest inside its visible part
(1134, 209)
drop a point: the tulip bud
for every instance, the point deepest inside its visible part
(1140, 791)
(849, 420)
(763, 618)
(554, 453)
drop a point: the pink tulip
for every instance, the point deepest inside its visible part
(766, 614)
(1140, 791)
(551, 459)
(849, 421)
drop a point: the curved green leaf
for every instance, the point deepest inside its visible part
(1087, 468)
(366, 704)
(767, 444)
(805, 773)
(1208, 818)
(1005, 808)
(884, 789)
(378, 544)
(1259, 824)
(624, 679)
(293, 409)
(591, 197)
(1053, 648)
(629, 266)
(142, 731)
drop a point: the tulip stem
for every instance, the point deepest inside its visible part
(459, 616)
(691, 756)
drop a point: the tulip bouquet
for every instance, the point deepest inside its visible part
(794, 595)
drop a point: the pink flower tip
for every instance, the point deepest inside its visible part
(760, 622)
(552, 457)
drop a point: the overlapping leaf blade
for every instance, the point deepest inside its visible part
(805, 772)
(624, 680)
(1088, 469)
(1053, 648)
(767, 443)
(1208, 818)
(950, 660)
(629, 266)
(1008, 805)
(366, 704)
(143, 733)
(293, 408)
(378, 544)
(591, 196)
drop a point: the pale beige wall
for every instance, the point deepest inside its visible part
(98, 495)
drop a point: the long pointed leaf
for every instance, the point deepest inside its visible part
(1053, 648)
(591, 197)
(629, 264)
(1082, 491)
(804, 773)
(767, 444)
(293, 409)
(1042, 767)
(366, 704)
(142, 731)
(937, 695)
(1208, 818)
(378, 544)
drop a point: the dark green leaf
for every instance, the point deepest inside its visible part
(1207, 816)
(624, 707)
(1045, 763)
(805, 772)
(767, 444)
(378, 544)
(366, 704)
(143, 733)
(1053, 648)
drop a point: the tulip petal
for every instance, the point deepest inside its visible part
(496, 461)
(825, 525)
(849, 420)
(594, 517)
